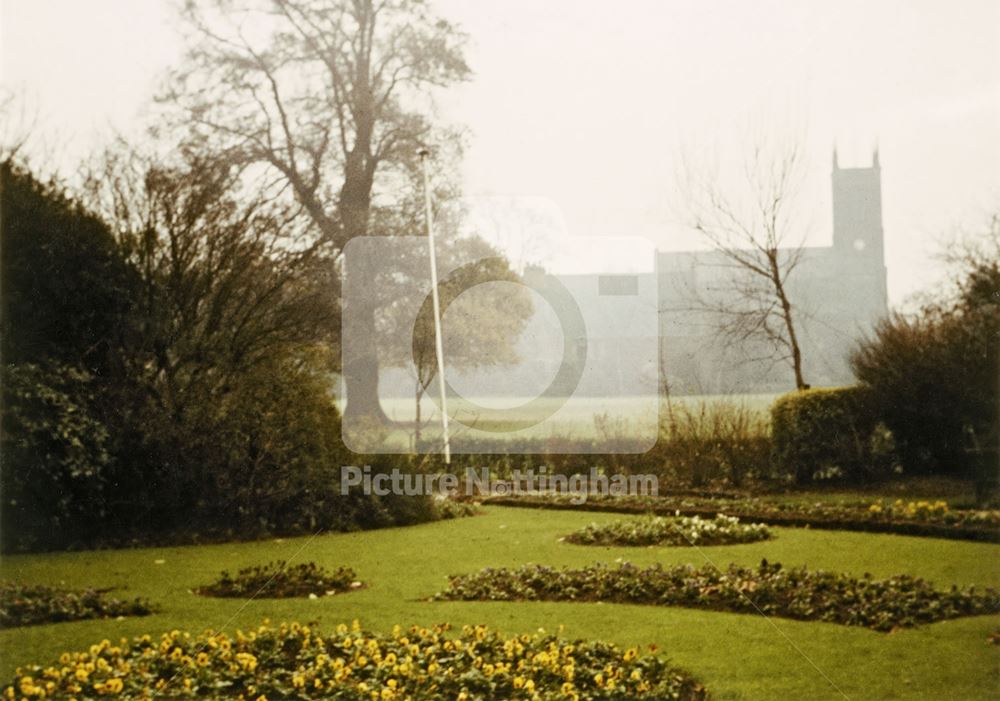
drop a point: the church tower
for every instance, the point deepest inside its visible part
(858, 249)
(857, 213)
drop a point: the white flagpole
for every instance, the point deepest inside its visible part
(438, 344)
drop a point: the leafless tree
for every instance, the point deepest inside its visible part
(217, 291)
(17, 123)
(325, 102)
(751, 224)
(522, 227)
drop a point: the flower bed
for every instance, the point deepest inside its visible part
(930, 512)
(681, 530)
(277, 580)
(770, 590)
(909, 518)
(28, 605)
(294, 661)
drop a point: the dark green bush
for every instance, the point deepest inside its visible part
(168, 379)
(66, 287)
(53, 456)
(935, 375)
(933, 382)
(827, 433)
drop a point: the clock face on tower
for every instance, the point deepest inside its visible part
(859, 244)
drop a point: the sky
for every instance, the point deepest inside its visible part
(587, 107)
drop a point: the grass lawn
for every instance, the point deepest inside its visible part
(736, 656)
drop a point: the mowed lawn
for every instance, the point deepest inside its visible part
(736, 656)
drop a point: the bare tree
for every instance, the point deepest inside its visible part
(217, 291)
(324, 102)
(17, 123)
(752, 227)
(523, 228)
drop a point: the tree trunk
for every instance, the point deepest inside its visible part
(793, 340)
(361, 370)
(360, 361)
(786, 315)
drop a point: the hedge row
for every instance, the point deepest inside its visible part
(829, 432)
(625, 505)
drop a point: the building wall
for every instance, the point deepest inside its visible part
(837, 292)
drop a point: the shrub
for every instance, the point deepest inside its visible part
(185, 359)
(65, 288)
(657, 530)
(297, 662)
(699, 444)
(935, 375)
(721, 441)
(767, 590)
(823, 433)
(29, 605)
(452, 508)
(279, 580)
(53, 456)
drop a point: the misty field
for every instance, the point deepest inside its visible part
(599, 419)
(736, 656)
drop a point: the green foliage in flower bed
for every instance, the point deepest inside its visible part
(680, 530)
(23, 605)
(278, 580)
(770, 590)
(295, 661)
(453, 508)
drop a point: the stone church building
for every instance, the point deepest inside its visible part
(642, 330)
(837, 292)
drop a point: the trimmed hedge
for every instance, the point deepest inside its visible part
(826, 433)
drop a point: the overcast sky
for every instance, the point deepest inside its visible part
(587, 105)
